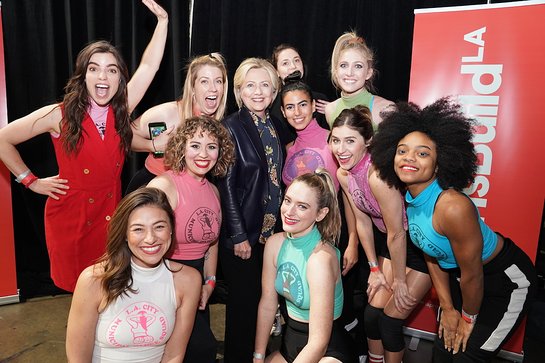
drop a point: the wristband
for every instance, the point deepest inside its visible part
(374, 266)
(29, 179)
(470, 319)
(210, 280)
(259, 356)
(23, 175)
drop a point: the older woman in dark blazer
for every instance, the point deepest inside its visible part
(250, 196)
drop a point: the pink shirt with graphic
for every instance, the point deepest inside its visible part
(198, 216)
(309, 152)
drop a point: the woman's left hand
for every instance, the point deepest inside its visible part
(156, 9)
(206, 292)
(462, 335)
(376, 281)
(320, 106)
(402, 298)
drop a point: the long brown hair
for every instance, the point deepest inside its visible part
(76, 99)
(116, 278)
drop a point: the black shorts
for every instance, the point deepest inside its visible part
(295, 338)
(415, 256)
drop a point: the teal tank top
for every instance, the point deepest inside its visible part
(291, 275)
(420, 212)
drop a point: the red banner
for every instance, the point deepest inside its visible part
(8, 282)
(492, 58)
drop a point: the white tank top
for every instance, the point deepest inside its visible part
(135, 328)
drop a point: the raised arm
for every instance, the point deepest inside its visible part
(151, 59)
(45, 119)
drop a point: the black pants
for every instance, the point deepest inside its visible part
(243, 278)
(295, 338)
(140, 179)
(202, 346)
(510, 285)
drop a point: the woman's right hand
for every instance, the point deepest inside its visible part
(448, 326)
(376, 281)
(243, 250)
(51, 186)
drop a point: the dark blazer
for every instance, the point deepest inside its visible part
(244, 189)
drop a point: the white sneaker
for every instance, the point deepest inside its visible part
(363, 358)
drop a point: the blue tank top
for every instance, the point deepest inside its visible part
(420, 212)
(291, 275)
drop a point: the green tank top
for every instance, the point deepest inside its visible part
(291, 275)
(362, 98)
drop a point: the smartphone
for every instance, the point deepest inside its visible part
(156, 129)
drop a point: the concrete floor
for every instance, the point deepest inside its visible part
(34, 332)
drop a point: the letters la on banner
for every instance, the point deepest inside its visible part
(491, 58)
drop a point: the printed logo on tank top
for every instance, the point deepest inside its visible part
(292, 284)
(140, 324)
(363, 204)
(302, 162)
(425, 244)
(202, 226)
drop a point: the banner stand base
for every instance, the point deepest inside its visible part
(417, 334)
(10, 299)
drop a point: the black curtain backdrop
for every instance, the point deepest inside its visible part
(42, 39)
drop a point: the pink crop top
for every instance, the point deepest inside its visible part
(198, 216)
(360, 191)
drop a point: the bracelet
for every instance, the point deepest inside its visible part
(210, 280)
(374, 266)
(23, 175)
(29, 179)
(375, 269)
(470, 319)
(259, 356)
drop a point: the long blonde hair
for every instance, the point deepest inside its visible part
(326, 194)
(185, 102)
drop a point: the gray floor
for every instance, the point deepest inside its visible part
(35, 331)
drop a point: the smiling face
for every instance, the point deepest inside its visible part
(148, 235)
(352, 71)
(298, 109)
(201, 154)
(300, 209)
(288, 62)
(208, 90)
(348, 146)
(102, 78)
(257, 91)
(415, 162)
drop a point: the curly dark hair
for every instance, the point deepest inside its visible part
(175, 151)
(445, 124)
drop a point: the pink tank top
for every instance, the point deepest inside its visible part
(198, 216)
(360, 191)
